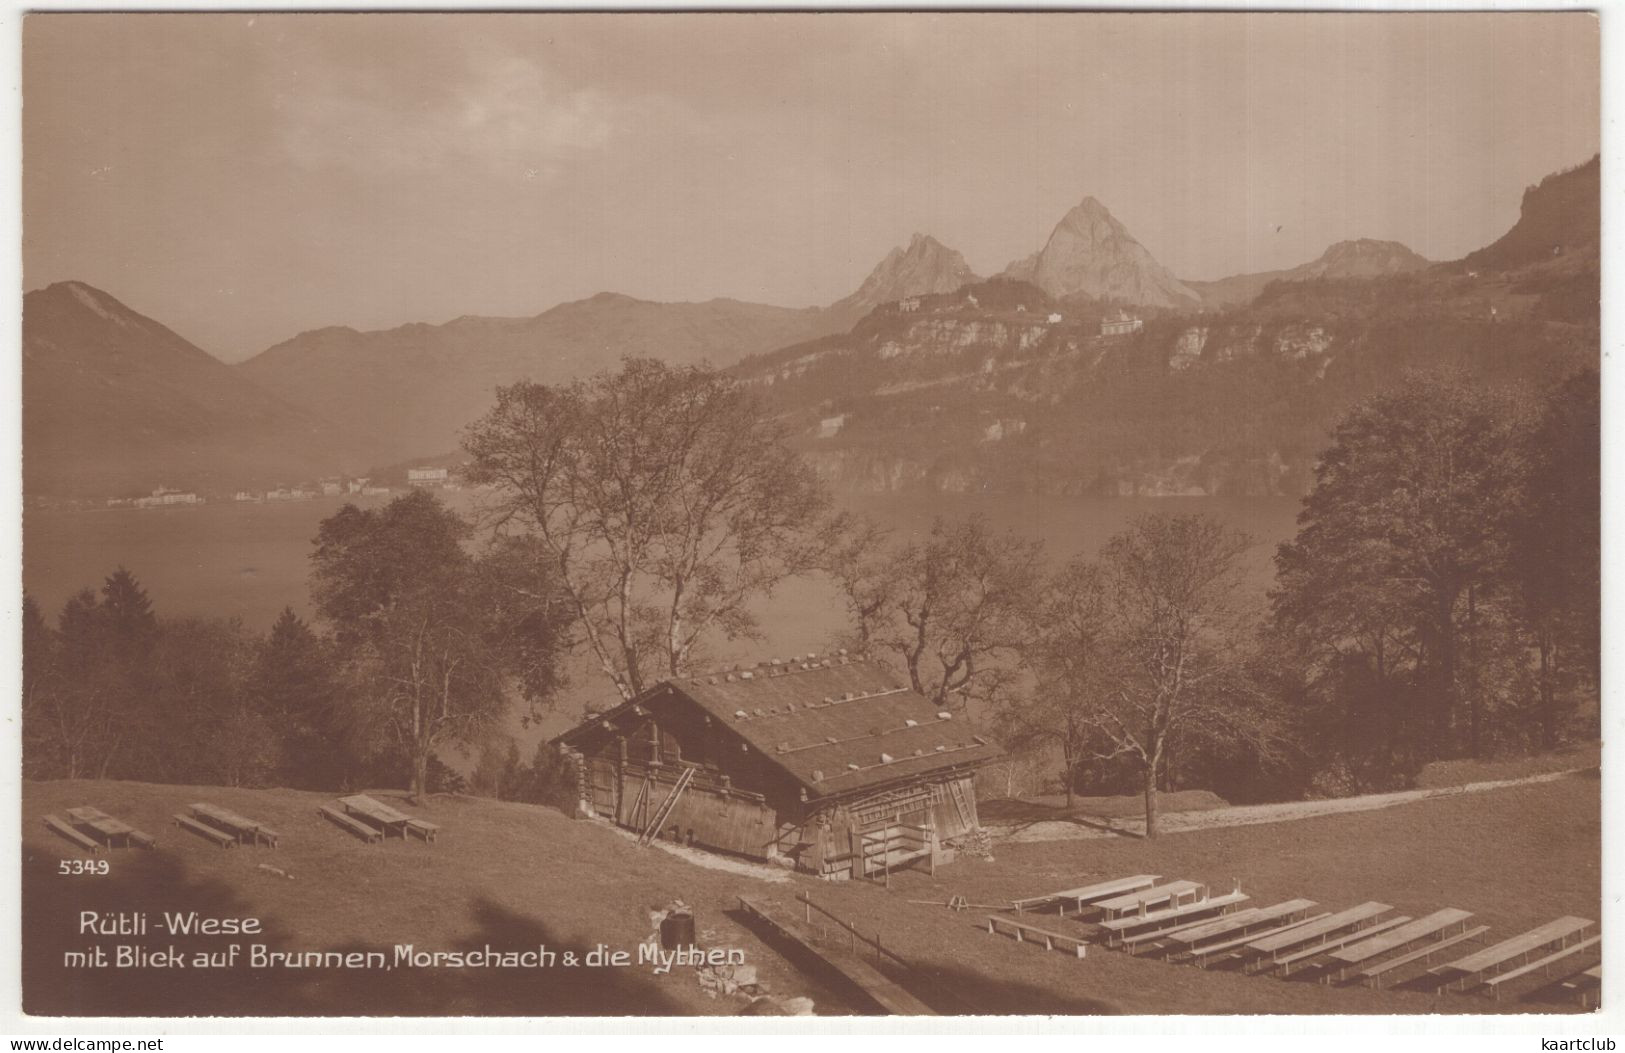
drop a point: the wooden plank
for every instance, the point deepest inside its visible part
(1020, 930)
(354, 826)
(1090, 893)
(1328, 924)
(1375, 972)
(208, 833)
(1239, 921)
(62, 829)
(1533, 940)
(1493, 984)
(1396, 938)
(1239, 945)
(1145, 897)
(875, 985)
(1137, 921)
(1327, 943)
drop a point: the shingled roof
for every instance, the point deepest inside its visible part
(836, 725)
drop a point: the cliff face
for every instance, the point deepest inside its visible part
(999, 388)
(1090, 252)
(1561, 218)
(922, 268)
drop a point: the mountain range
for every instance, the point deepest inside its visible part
(114, 401)
(1362, 258)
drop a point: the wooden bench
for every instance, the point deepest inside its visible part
(1585, 984)
(422, 828)
(1140, 902)
(1493, 984)
(247, 831)
(1353, 954)
(203, 830)
(59, 827)
(1268, 951)
(354, 826)
(1311, 954)
(1138, 929)
(1020, 930)
(1238, 946)
(1470, 971)
(1086, 895)
(1237, 923)
(1374, 974)
(143, 840)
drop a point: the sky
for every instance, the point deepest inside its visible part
(245, 177)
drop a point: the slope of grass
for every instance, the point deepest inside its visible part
(1461, 772)
(514, 876)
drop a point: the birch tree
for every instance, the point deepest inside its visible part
(1150, 655)
(664, 502)
(955, 607)
(428, 653)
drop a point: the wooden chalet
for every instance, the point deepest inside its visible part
(833, 765)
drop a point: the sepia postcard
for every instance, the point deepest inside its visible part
(810, 515)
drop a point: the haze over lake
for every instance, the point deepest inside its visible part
(249, 561)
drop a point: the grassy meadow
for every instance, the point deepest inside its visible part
(513, 876)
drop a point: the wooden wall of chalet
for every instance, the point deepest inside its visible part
(948, 805)
(706, 814)
(681, 734)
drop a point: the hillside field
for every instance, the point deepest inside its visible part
(514, 876)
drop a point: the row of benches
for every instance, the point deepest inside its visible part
(220, 827)
(1181, 921)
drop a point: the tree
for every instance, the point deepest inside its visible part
(1404, 539)
(1070, 651)
(1557, 543)
(42, 694)
(294, 687)
(97, 705)
(662, 498)
(203, 726)
(954, 608)
(425, 649)
(1158, 619)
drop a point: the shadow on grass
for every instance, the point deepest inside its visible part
(947, 991)
(152, 883)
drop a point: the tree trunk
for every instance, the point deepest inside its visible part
(1150, 800)
(1548, 702)
(1445, 707)
(1474, 703)
(420, 776)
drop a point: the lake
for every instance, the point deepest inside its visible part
(252, 560)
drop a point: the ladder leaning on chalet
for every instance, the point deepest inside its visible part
(653, 829)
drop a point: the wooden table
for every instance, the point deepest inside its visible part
(245, 830)
(1088, 894)
(1174, 894)
(1465, 971)
(378, 813)
(113, 832)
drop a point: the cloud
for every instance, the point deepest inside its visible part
(504, 116)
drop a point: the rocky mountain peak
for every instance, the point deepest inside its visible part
(1090, 252)
(924, 267)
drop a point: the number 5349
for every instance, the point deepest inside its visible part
(84, 866)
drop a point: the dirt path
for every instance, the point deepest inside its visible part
(1247, 815)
